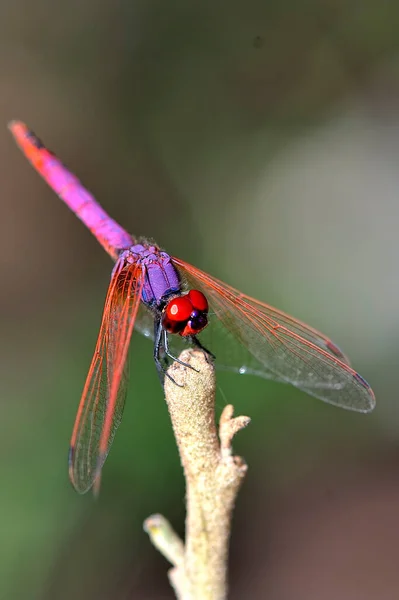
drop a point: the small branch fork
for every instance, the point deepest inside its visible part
(213, 477)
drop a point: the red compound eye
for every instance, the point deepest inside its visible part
(179, 309)
(198, 300)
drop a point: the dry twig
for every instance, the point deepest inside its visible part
(213, 477)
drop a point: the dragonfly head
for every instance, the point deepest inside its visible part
(186, 315)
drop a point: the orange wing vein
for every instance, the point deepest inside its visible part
(279, 346)
(101, 406)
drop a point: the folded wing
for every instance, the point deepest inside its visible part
(103, 399)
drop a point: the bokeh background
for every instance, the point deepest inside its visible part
(260, 141)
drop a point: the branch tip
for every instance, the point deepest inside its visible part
(164, 538)
(213, 478)
(229, 426)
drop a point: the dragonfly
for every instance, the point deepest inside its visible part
(168, 299)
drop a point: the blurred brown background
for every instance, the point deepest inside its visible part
(238, 133)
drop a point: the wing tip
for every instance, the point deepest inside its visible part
(75, 484)
(94, 483)
(371, 396)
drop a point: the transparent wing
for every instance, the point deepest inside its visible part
(276, 346)
(101, 406)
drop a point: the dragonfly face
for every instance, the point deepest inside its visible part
(186, 315)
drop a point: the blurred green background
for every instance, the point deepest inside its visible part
(258, 140)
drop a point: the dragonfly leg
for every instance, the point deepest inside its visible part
(166, 348)
(157, 350)
(160, 367)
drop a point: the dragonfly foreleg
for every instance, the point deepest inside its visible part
(161, 366)
(166, 348)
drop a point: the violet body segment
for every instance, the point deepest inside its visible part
(161, 279)
(107, 231)
(68, 187)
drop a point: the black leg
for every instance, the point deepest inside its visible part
(161, 370)
(166, 347)
(157, 349)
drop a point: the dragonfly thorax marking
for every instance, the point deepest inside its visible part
(160, 277)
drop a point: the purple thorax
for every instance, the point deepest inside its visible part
(161, 278)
